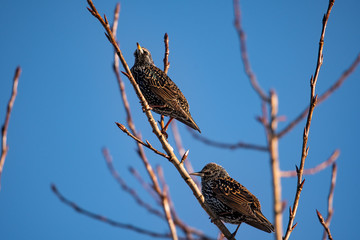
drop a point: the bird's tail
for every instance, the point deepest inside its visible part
(190, 122)
(261, 223)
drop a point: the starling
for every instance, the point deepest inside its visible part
(230, 200)
(161, 93)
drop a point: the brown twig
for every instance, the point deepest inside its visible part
(331, 198)
(147, 144)
(322, 97)
(166, 146)
(4, 146)
(177, 220)
(125, 187)
(145, 185)
(166, 202)
(166, 57)
(327, 229)
(181, 150)
(244, 55)
(230, 146)
(105, 219)
(305, 148)
(334, 156)
(126, 104)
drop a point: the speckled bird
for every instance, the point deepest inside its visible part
(161, 93)
(230, 200)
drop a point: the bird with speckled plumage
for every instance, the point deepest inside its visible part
(161, 93)
(230, 200)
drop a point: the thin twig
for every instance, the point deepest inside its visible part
(331, 198)
(166, 57)
(118, 77)
(305, 148)
(105, 219)
(145, 185)
(147, 144)
(231, 146)
(327, 229)
(244, 55)
(4, 146)
(166, 146)
(125, 187)
(322, 97)
(334, 156)
(166, 202)
(177, 220)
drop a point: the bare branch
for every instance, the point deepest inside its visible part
(166, 58)
(166, 203)
(244, 55)
(147, 144)
(334, 156)
(275, 164)
(313, 100)
(4, 146)
(145, 185)
(230, 146)
(331, 198)
(182, 152)
(166, 146)
(104, 219)
(321, 219)
(125, 187)
(322, 97)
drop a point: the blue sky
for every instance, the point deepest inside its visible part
(68, 101)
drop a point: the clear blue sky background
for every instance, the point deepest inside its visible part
(68, 101)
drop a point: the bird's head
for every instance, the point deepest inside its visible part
(211, 171)
(142, 55)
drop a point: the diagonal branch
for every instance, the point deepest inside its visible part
(181, 150)
(166, 146)
(105, 219)
(230, 146)
(330, 199)
(244, 54)
(327, 229)
(334, 156)
(305, 148)
(4, 146)
(147, 144)
(125, 187)
(322, 97)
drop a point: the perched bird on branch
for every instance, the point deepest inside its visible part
(230, 200)
(161, 93)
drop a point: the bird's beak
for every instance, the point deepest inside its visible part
(139, 48)
(197, 174)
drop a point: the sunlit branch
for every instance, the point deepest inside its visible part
(4, 146)
(305, 148)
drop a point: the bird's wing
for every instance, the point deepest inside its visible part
(236, 196)
(166, 89)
